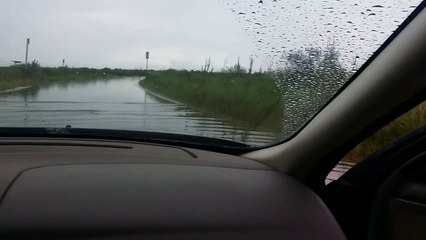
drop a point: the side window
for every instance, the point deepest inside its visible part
(402, 125)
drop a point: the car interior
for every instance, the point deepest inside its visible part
(54, 185)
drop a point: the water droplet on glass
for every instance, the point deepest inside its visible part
(290, 33)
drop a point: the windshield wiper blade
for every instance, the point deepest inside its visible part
(213, 144)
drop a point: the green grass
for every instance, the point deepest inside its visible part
(251, 99)
(255, 100)
(12, 78)
(21, 76)
(409, 121)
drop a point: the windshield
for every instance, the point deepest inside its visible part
(251, 72)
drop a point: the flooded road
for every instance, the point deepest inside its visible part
(115, 104)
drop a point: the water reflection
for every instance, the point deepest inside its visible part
(116, 104)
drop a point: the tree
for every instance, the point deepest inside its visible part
(330, 70)
(313, 68)
(32, 68)
(307, 80)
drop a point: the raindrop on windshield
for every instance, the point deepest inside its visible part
(312, 49)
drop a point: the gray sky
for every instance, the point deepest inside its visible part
(99, 33)
(182, 34)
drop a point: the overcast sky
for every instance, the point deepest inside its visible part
(183, 34)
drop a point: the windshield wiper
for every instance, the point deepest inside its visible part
(212, 144)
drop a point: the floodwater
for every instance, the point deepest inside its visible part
(116, 104)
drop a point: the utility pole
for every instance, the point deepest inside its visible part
(147, 59)
(26, 51)
(251, 65)
(63, 62)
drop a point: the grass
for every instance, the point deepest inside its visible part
(255, 100)
(33, 75)
(252, 99)
(12, 78)
(409, 121)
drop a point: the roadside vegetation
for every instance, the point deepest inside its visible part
(34, 75)
(253, 100)
(402, 125)
(278, 101)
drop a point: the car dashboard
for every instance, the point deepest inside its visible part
(70, 188)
